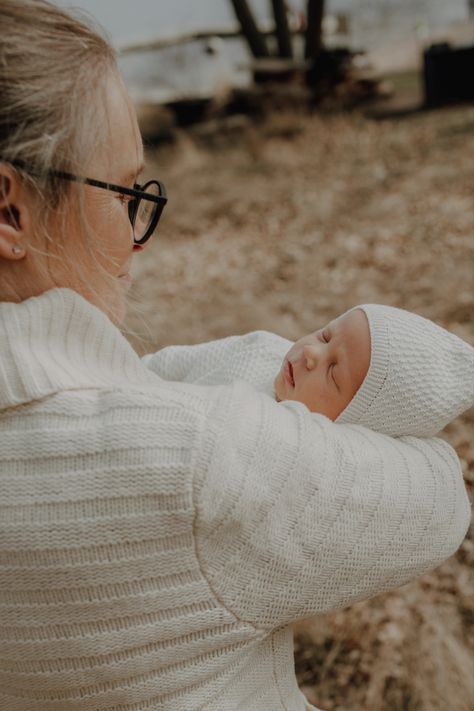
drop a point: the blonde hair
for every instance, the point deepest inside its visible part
(54, 68)
(51, 69)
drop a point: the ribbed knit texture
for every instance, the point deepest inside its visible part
(158, 538)
(420, 376)
(255, 358)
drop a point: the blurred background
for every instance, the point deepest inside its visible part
(317, 155)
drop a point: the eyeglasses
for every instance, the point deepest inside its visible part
(144, 211)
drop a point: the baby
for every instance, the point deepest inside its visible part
(377, 366)
(381, 367)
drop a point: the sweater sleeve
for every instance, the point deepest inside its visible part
(297, 515)
(255, 358)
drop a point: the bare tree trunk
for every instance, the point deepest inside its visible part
(285, 48)
(314, 30)
(255, 40)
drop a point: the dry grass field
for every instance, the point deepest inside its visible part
(280, 226)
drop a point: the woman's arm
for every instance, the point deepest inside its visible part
(297, 515)
(255, 358)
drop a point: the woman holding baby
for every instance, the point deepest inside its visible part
(163, 521)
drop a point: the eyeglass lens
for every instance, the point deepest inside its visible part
(145, 213)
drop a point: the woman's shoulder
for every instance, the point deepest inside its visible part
(105, 437)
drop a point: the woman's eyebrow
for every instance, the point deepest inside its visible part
(133, 174)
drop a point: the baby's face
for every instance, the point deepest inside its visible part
(325, 369)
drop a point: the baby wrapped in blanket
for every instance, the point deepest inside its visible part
(378, 366)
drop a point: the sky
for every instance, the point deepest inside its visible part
(128, 21)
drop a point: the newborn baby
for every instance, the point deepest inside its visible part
(381, 367)
(377, 366)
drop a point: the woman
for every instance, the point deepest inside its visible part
(158, 538)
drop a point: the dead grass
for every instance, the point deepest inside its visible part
(281, 227)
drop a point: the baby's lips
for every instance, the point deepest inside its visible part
(288, 373)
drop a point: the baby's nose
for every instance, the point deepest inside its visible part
(312, 353)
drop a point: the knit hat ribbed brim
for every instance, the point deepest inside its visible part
(420, 376)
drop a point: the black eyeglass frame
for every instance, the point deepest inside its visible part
(137, 192)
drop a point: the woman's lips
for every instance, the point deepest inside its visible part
(288, 373)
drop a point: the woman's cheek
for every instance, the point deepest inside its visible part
(119, 230)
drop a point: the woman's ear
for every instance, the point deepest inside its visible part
(14, 215)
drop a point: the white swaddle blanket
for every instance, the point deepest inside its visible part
(250, 357)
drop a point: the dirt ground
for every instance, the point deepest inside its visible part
(281, 226)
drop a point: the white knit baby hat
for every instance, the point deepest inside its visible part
(420, 376)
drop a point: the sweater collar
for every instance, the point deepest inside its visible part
(59, 341)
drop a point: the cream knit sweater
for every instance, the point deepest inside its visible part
(158, 538)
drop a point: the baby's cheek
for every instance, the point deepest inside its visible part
(314, 395)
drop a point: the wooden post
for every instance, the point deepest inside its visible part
(285, 48)
(314, 29)
(255, 40)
